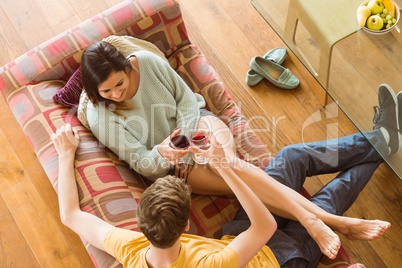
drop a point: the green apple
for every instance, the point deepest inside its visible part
(376, 6)
(375, 22)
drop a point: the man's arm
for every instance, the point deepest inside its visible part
(263, 224)
(86, 225)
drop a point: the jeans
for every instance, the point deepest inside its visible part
(355, 160)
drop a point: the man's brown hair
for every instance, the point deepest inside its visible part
(164, 210)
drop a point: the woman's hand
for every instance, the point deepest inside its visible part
(171, 155)
(66, 140)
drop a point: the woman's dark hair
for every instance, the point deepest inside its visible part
(97, 63)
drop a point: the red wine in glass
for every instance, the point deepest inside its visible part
(200, 140)
(180, 142)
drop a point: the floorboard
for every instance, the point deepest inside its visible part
(15, 251)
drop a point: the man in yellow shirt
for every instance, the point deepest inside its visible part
(163, 217)
(167, 205)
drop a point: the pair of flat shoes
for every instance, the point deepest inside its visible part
(269, 67)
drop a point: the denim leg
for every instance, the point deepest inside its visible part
(352, 155)
(291, 244)
(377, 139)
(308, 252)
(288, 251)
(339, 194)
(295, 263)
(295, 162)
(336, 197)
(239, 224)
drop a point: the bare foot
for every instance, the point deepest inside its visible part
(326, 239)
(359, 229)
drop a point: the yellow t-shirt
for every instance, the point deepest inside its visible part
(129, 248)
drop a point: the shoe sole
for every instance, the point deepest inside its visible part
(398, 133)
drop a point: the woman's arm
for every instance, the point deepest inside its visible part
(114, 132)
(87, 226)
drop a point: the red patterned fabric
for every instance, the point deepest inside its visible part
(108, 188)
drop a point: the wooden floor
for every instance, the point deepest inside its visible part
(230, 33)
(353, 79)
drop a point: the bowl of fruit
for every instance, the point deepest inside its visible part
(378, 16)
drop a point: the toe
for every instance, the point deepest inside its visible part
(332, 256)
(333, 252)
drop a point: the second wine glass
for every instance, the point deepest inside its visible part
(200, 139)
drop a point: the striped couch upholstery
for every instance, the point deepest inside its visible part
(107, 186)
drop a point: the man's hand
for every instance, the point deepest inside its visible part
(66, 140)
(215, 154)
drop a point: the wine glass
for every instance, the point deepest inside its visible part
(200, 139)
(181, 140)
